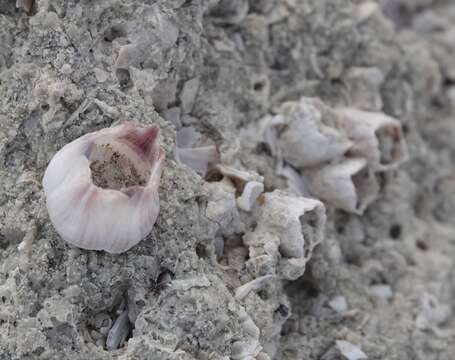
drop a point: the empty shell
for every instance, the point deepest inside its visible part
(298, 222)
(102, 189)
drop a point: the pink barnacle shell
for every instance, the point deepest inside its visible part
(102, 188)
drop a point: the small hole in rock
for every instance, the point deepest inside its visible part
(213, 175)
(422, 245)
(354, 259)
(258, 86)
(395, 231)
(201, 251)
(263, 295)
(382, 180)
(263, 148)
(162, 281)
(113, 33)
(124, 79)
(310, 289)
(140, 303)
(283, 310)
(39, 351)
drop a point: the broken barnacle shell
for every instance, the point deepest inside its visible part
(250, 194)
(306, 133)
(239, 177)
(375, 136)
(349, 185)
(299, 222)
(248, 184)
(102, 189)
(193, 150)
(288, 228)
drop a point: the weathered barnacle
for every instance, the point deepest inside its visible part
(305, 133)
(298, 221)
(349, 185)
(288, 228)
(102, 189)
(375, 136)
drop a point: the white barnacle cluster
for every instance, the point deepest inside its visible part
(102, 188)
(286, 227)
(334, 153)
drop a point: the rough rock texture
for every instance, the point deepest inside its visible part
(380, 284)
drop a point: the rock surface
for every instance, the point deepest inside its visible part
(70, 67)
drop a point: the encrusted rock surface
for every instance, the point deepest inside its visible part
(215, 280)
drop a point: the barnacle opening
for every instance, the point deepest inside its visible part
(112, 169)
(124, 79)
(390, 145)
(126, 161)
(113, 32)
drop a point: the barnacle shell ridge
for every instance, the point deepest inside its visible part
(102, 189)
